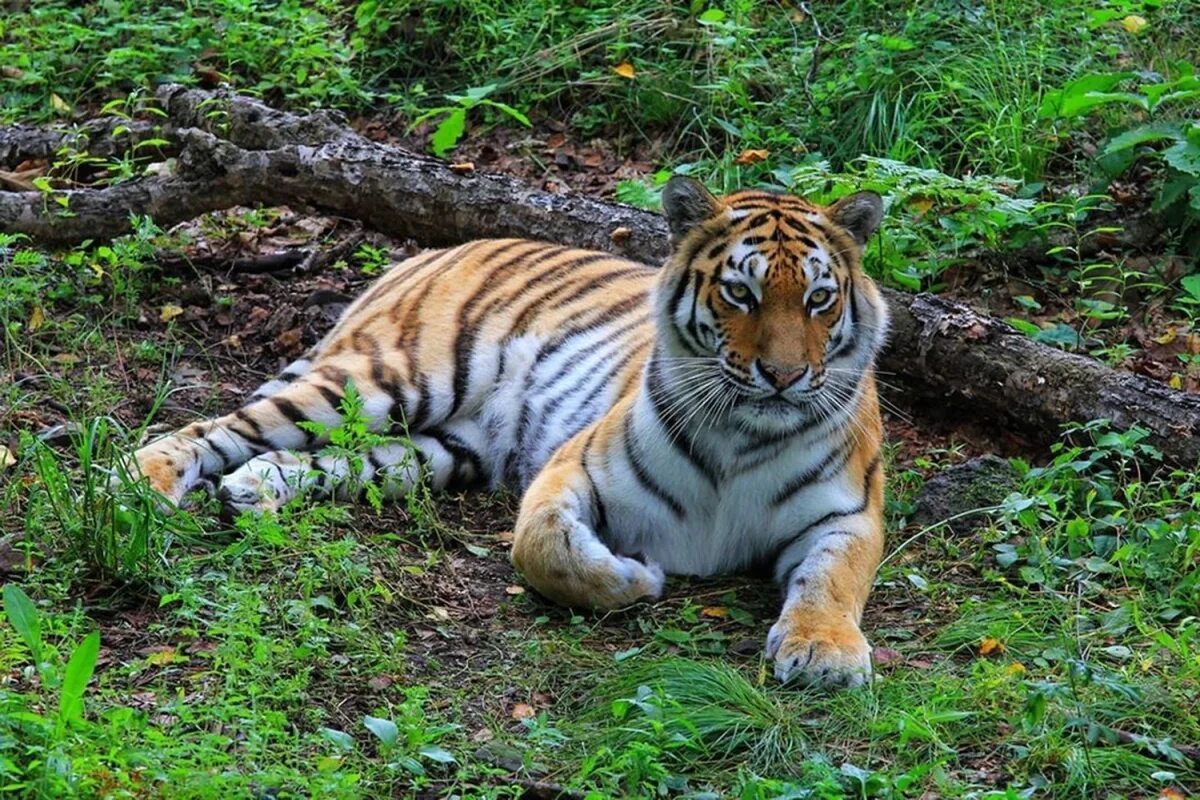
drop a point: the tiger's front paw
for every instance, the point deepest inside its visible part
(818, 652)
(161, 469)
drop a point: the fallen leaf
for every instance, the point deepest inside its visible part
(7, 458)
(380, 682)
(1175, 381)
(523, 711)
(169, 312)
(1171, 793)
(505, 536)
(515, 590)
(1168, 336)
(463, 167)
(438, 614)
(58, 104)
(625, 70)
(483, 735)
(885, 655)
(164, 656)
(747, 157)
(7, 71)
(620, 235)
(66, 359)
(920, 205)
(716, 612)
(37, 318)
(1133, 23)
(1015, 668)
(991, 646)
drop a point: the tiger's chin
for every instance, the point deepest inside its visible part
(770, 416)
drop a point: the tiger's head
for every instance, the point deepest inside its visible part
(769, 290)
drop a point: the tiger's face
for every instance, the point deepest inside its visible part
(768, 289)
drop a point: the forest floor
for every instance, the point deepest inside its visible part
(1048, 646)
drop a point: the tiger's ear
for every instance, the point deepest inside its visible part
(859, 213)
(687, 203)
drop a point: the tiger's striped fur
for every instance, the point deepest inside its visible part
(705, 417)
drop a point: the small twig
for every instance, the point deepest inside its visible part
(815, 60)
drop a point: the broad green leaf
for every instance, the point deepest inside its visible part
(512, 112)
(480, 92)
(384, 729)
(1156, 132)
(435, 753)
(1065, 102)
(79, 671)
(341, 739)
(23, 616)
(712, 16)
(449, 132)
(1184, 156)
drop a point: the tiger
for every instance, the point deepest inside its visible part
(713, 415)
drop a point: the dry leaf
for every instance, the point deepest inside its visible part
(58, 104)
(620, 235)
(1169, 336)
(991, 646)
(885, 655)
(1133, 23)
(463, 167)
(7, 457)
(920, 205)
(37, 318)
(164, 656)
(7, 71)
(1175, 381)
(625, 70)
(716, 612)
(438, 614)
(1015, 668)
(1171, 793)
(523, 711)
(169, 312)
(515, 590)
(66, 359)
(747, 157)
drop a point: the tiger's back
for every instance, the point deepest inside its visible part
(511, 345)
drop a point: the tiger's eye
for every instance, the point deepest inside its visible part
(819, 297)
(739, 291)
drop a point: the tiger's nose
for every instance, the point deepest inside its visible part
(780, 377)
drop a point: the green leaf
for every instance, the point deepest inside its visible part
(711, 16)
(1082, 94)
(1024, 326)
(23, 616)
(384, 729)
(512, 112)
(341, 739)
(1191, 285)
(1143, 134)
(449, 132)
(79, 671)
(1184, 157)
(435, 753)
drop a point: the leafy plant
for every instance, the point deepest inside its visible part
(454, 122)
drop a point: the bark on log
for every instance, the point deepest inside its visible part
(249, 153)
(98, 137)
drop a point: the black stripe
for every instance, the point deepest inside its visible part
(811, 475)
(332, 396)
(468, 329)
(639, 470)
(294, 414)
(868, 477)
(671, 427)
(462, 453)
(601, 512)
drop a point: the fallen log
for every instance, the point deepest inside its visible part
(248, 153)
(103, 137)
